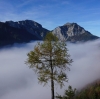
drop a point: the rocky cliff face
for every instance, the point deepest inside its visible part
(73, 32)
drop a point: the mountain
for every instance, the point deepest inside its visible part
(27, 30)
(73, 32)
(30, 26)
(21, 31)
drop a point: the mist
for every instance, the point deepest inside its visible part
(17, 81)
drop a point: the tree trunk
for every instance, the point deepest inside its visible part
(52, 84)
(52, 81)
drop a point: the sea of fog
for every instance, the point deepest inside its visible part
(17, 81)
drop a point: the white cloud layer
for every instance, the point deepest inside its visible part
(17, 81)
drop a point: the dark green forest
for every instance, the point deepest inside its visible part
(92, 91)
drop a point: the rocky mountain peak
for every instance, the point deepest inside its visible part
(70, 30)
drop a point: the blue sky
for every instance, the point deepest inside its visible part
(53, 13)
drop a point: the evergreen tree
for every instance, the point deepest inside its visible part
(69, 94)
(50, 59)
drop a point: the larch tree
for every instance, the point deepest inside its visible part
(50, 59)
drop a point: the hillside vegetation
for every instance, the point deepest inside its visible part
(90, 92)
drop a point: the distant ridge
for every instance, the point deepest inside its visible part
(21, 31)
(31, 26)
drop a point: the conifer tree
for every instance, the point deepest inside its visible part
(50, 59)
